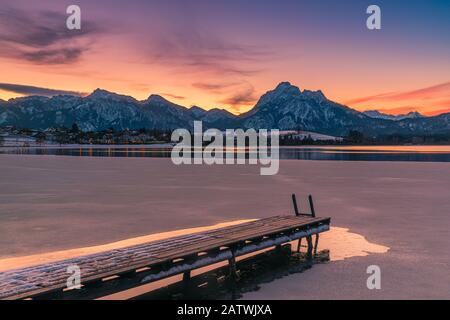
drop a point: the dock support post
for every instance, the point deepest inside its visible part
(186, 283)
(311, 205)
(297, 213)
(186, 277)
(294, 202)
(232, 262)
(299, 245)
(316, 244)
(310, 247)
(313, 214)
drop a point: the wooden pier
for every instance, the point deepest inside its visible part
(122, 269)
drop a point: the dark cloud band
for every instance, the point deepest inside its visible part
(42, 37)
(31, 90)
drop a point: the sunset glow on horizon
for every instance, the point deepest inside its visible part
(226, 54)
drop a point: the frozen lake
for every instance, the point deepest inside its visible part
(51, 204)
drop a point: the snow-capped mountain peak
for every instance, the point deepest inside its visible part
(197, 112)
(157, 99)
(101, 94)
(317, 95)
(285, 88)
(380, 115)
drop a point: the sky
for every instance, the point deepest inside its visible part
(227, 53)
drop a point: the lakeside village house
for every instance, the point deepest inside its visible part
(11, 136)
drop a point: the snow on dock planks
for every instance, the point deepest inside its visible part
(122, 269)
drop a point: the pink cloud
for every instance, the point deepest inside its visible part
(427, 93)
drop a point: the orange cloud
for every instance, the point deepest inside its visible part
(421, 94)
(428, 100)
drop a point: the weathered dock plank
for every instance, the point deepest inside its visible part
(160, 258)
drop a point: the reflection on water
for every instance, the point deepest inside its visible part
(343, 153)
(216, 284)
(255, 269)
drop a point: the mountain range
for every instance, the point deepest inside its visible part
(285, 108)
(379, 115)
